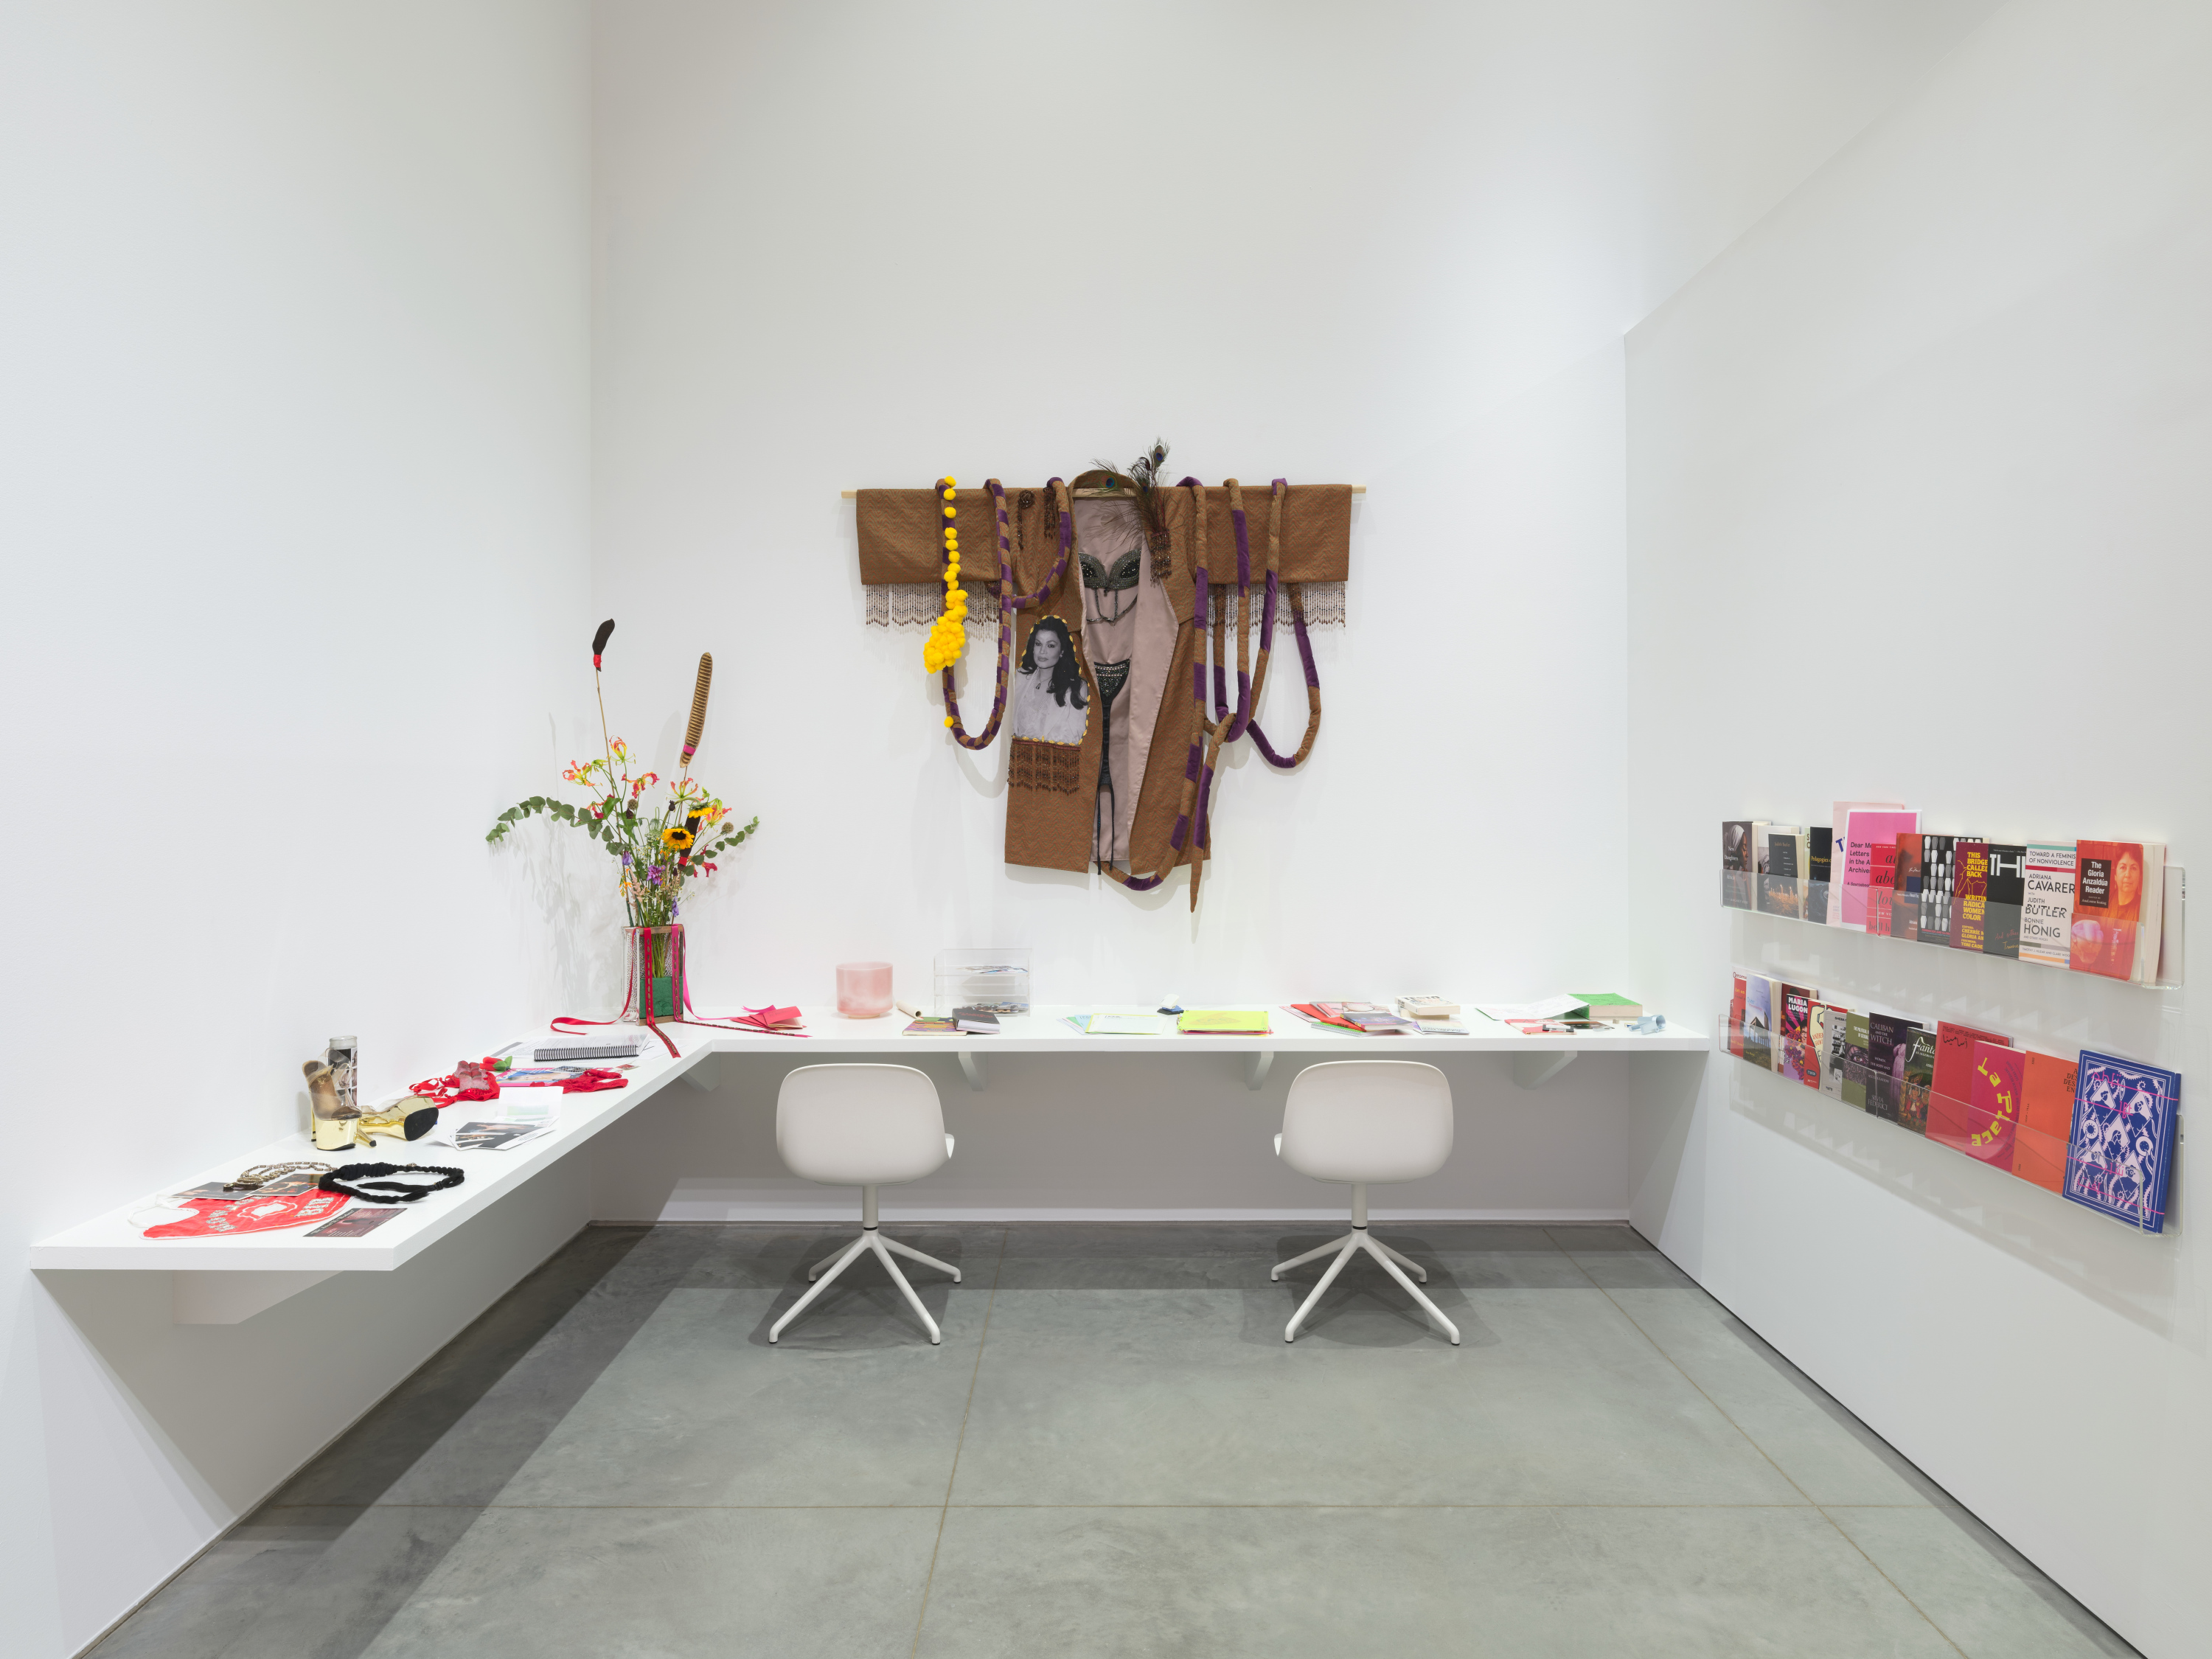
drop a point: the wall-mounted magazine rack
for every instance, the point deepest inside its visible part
(2094, 1152)
(1798, 899)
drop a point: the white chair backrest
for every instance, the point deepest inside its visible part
(859, 1125)
(1368, 1121)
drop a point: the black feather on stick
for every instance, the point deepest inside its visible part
(598, 644)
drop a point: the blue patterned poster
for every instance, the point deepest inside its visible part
(2121, 1153)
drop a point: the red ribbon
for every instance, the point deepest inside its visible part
(448, 1089)
(770, 1021)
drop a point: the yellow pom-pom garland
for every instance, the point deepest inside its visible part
(948, 635)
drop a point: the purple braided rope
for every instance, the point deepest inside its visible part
(1285, 762)
(1247, 721)
(1244, 710)
(1305, 657)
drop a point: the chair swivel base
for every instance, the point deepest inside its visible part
(825, 1272)
(1392, 1263)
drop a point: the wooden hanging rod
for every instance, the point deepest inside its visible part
(850, 495)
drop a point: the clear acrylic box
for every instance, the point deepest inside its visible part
(994, 978)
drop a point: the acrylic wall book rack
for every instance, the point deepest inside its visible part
(1900, 917)
(2101, 1130)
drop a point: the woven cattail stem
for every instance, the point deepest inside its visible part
(698, 706)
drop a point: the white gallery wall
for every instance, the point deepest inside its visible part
(355, 360)
(294, 464)
(1918, 509)
(1397, 250)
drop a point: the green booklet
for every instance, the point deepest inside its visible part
(1225, 1022)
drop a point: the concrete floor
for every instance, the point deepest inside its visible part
(1113, 1452)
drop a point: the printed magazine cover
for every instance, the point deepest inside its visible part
(2121, 1154)
(2003, 902)
(1736, 863)
(1974, 893)
(2108, 880)
(2046, 1121)
(1938, 882)
(2046, 909)
(1919, 1081)
(1759, 1020)
(1800, 1058)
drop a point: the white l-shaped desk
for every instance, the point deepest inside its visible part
(221, 1280)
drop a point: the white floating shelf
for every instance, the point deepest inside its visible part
(111, 1244)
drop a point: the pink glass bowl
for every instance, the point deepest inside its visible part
(864, 989)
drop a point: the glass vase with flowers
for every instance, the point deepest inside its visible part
(663, 837)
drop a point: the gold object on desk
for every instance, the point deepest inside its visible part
(331, 1117)
(407, 1120)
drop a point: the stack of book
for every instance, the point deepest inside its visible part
(2096, 1129)
(1371, 1019)
(2094, 907)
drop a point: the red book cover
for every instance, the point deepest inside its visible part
(1735, 1019)
(2108, 883)
(1955, 1062)
(1993, 1114)
(2046, 1121)
(1905, 893)
(1882, 884)
(1971, 904)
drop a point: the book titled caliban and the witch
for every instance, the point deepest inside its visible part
(2098, 1129)
(2111, 907)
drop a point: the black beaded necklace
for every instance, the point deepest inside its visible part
(379, 1183)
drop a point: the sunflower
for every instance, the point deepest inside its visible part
(675, 837)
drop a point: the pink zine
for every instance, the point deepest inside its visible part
(1865, 830)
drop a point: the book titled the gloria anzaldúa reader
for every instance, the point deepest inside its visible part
(2118, 903)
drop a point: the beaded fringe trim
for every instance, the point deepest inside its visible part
(915, 604)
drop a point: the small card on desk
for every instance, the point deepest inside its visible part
(354, 1223)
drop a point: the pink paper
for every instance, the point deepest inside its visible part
(1865, 830)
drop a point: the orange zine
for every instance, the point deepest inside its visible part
(2046, 1121)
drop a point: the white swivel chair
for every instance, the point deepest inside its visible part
(1365, 1121)
(865, 1126)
